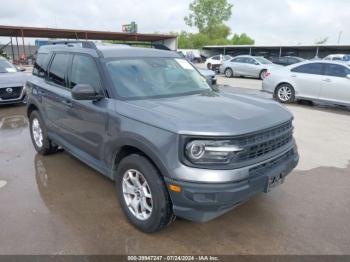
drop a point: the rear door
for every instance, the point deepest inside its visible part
(335, 84)
(307, 79)
(238, 65)
(57, 96)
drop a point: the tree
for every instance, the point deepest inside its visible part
(322, 41)
(242, 39)
(207, 15)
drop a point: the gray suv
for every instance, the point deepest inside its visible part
(148, 120)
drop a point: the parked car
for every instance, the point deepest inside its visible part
(246, 65)
(146, 119)
(338, 57)
(327, 81)
(12, 83)
(210, 75)
(214, 62)
(286, 60)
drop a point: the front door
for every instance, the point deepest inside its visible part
(88, 119)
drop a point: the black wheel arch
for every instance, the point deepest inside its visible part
(128, 146)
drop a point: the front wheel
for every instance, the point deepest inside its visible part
(142, 194)
(209, 66)
(285, 93)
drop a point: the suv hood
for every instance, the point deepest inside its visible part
(209, 114)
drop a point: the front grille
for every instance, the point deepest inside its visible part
(265, 142)
(7, 93)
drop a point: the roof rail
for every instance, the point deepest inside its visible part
(84, 44)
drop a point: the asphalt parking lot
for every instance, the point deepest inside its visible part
(58, 205)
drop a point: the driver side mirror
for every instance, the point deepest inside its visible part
(256, 63)
(348, 76)
(85, 92)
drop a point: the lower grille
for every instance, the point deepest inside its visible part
(8, 93)
(266, 167)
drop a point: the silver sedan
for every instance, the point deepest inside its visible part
(313, 80)
(12, 83)
(245, 65)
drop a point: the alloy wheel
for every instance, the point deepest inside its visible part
(284, 93)
(37, 133)
(137, 194)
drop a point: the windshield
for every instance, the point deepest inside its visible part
(262, 60)
(155, 77)
(6, 67)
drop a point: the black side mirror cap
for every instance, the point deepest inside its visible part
(85, 92)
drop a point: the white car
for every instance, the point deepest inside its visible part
(338, 57)
(246, 65)
(327, 81)
(214, 62)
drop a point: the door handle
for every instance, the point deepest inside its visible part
(326, 80)
(67, 102)
(293, 75)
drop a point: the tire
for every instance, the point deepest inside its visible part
(38, 133)
(157, 207)
(285, 93)
(262, 74)
(228, 72)
(209, 66)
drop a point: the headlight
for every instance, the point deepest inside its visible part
(211, 151)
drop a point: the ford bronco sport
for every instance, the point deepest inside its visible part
(148, 120)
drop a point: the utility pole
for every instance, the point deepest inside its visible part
(339, 36)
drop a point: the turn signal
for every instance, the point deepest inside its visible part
(175, 188)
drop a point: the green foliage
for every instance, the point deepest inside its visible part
(242, 39)
(207, 15)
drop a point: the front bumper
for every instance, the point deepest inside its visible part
(201, 202)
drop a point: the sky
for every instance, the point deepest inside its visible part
(270, 22)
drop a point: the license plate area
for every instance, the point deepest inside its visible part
(274, 181)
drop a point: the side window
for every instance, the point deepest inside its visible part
(336, 70)
(313, 68)
(40, 65)
(337, 58)
(291, 60)
(250, 61)
(58, 69)
(237, 60)
(84, 71)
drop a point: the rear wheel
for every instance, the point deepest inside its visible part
(285, 93)
(228, 72)
(42, 144)
(142, 194)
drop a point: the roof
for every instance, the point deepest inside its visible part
(19, 31)
(106, 51)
